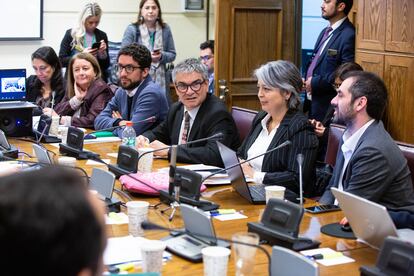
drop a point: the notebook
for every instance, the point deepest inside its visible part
(13, 89)
(253, 193)
(370, 221)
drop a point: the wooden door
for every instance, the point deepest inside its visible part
(250, 33)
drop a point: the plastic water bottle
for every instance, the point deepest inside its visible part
(129, 135)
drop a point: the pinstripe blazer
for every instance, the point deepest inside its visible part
(281, 166)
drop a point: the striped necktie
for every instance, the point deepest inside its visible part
(186, 128)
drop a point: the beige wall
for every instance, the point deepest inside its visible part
(59, 15)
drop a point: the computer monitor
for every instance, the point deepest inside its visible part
(12, 85)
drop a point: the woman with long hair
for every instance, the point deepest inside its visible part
(151, 31)
(86, 93)
(85, 37)
(47, 87)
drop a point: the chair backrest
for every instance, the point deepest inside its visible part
(395, 258)
(335, 135)
(243, 118)
(286, 262)
(408, 151)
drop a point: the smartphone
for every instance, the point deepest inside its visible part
(156, 51)
(96, 45)
(322, 208)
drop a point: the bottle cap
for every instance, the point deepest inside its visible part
(129, 123)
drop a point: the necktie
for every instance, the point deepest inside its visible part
(186, 128)
(318, 53)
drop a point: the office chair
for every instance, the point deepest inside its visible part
(396, 258)
(286, 262)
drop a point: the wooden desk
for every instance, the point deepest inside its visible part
(310, 226)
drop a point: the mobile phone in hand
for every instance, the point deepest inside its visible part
(156, 51)
(96, 45)
(322, 208)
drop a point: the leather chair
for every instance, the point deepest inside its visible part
(408, 151)
(335, 135)
(243, 118)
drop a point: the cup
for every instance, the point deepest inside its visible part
(67, 161)
(145, 162)
(215, 259)
(275, 191)
(244, 255)
(137, 213)
(151, 252)
(54, 126)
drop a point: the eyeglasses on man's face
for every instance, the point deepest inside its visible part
(128, 68)
(195, 86)
(205, 58)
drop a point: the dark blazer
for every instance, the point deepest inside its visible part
(212, 118)
(377, 171)
(339, 49)
(281, 166)
(34, 91)
(66, 51)
(96, 98)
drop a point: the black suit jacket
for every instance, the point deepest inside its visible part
(281, 166)
(339, 49)
(212, 118)
(65, 52)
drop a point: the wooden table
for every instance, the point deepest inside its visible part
(310, 226)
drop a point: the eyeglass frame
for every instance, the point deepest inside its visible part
(196, 82)
(119, 68)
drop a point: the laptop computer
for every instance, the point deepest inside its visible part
(370, 221)
(255, 194)
(13, 93)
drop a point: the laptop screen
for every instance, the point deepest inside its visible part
(12, 85)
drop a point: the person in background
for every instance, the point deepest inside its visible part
(207, 58)
(51, 222)
(322, 128)
(47, 87)
(86, 94)
(279, 84)
(138, 98)
(151, 31)
(196, 115)
(87, 38)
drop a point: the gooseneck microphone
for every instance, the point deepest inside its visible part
(91, 135)
(299, 159)
(284, 144)
(147, 225)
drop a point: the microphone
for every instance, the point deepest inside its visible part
(299, 159)
(91, 135)
(74, 145)
(147, 225)
(53, 99)
(284, 144)
(42, 131)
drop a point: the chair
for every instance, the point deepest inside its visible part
(286, 262)
(395, 258)
(408, 151)
(335, 135)
(243, 118)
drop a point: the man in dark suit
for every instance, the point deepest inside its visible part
(335, 45)
(207, 58)
(369, 162)
(196, 115)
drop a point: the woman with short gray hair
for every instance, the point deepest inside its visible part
(279, 83)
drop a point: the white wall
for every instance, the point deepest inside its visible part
(189, 29)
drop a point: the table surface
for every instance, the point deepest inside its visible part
(227, 198)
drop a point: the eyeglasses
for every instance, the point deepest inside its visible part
(195, 86)
(128, 68)
(205, 58)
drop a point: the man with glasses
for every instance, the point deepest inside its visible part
(207, 58)
(196, 115)
(138, 98)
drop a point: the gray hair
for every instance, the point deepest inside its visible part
(190, 65)
(284, 75)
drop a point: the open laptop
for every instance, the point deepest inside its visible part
(370, 221)
(13, 89)
(253, 193)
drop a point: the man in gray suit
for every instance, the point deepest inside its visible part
(369, 163)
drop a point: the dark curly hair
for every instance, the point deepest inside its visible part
(139, 53)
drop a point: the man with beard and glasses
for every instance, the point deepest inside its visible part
(334, 46)
(369, 163)
(138, 98)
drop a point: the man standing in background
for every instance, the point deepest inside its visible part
(207, 58)
(334, 46)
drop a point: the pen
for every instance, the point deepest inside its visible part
(325, 256)
(222, 212)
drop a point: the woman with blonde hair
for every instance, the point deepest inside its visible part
(85, 37)
(151, 31)
(86, 93)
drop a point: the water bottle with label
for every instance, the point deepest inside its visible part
(129, 135)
